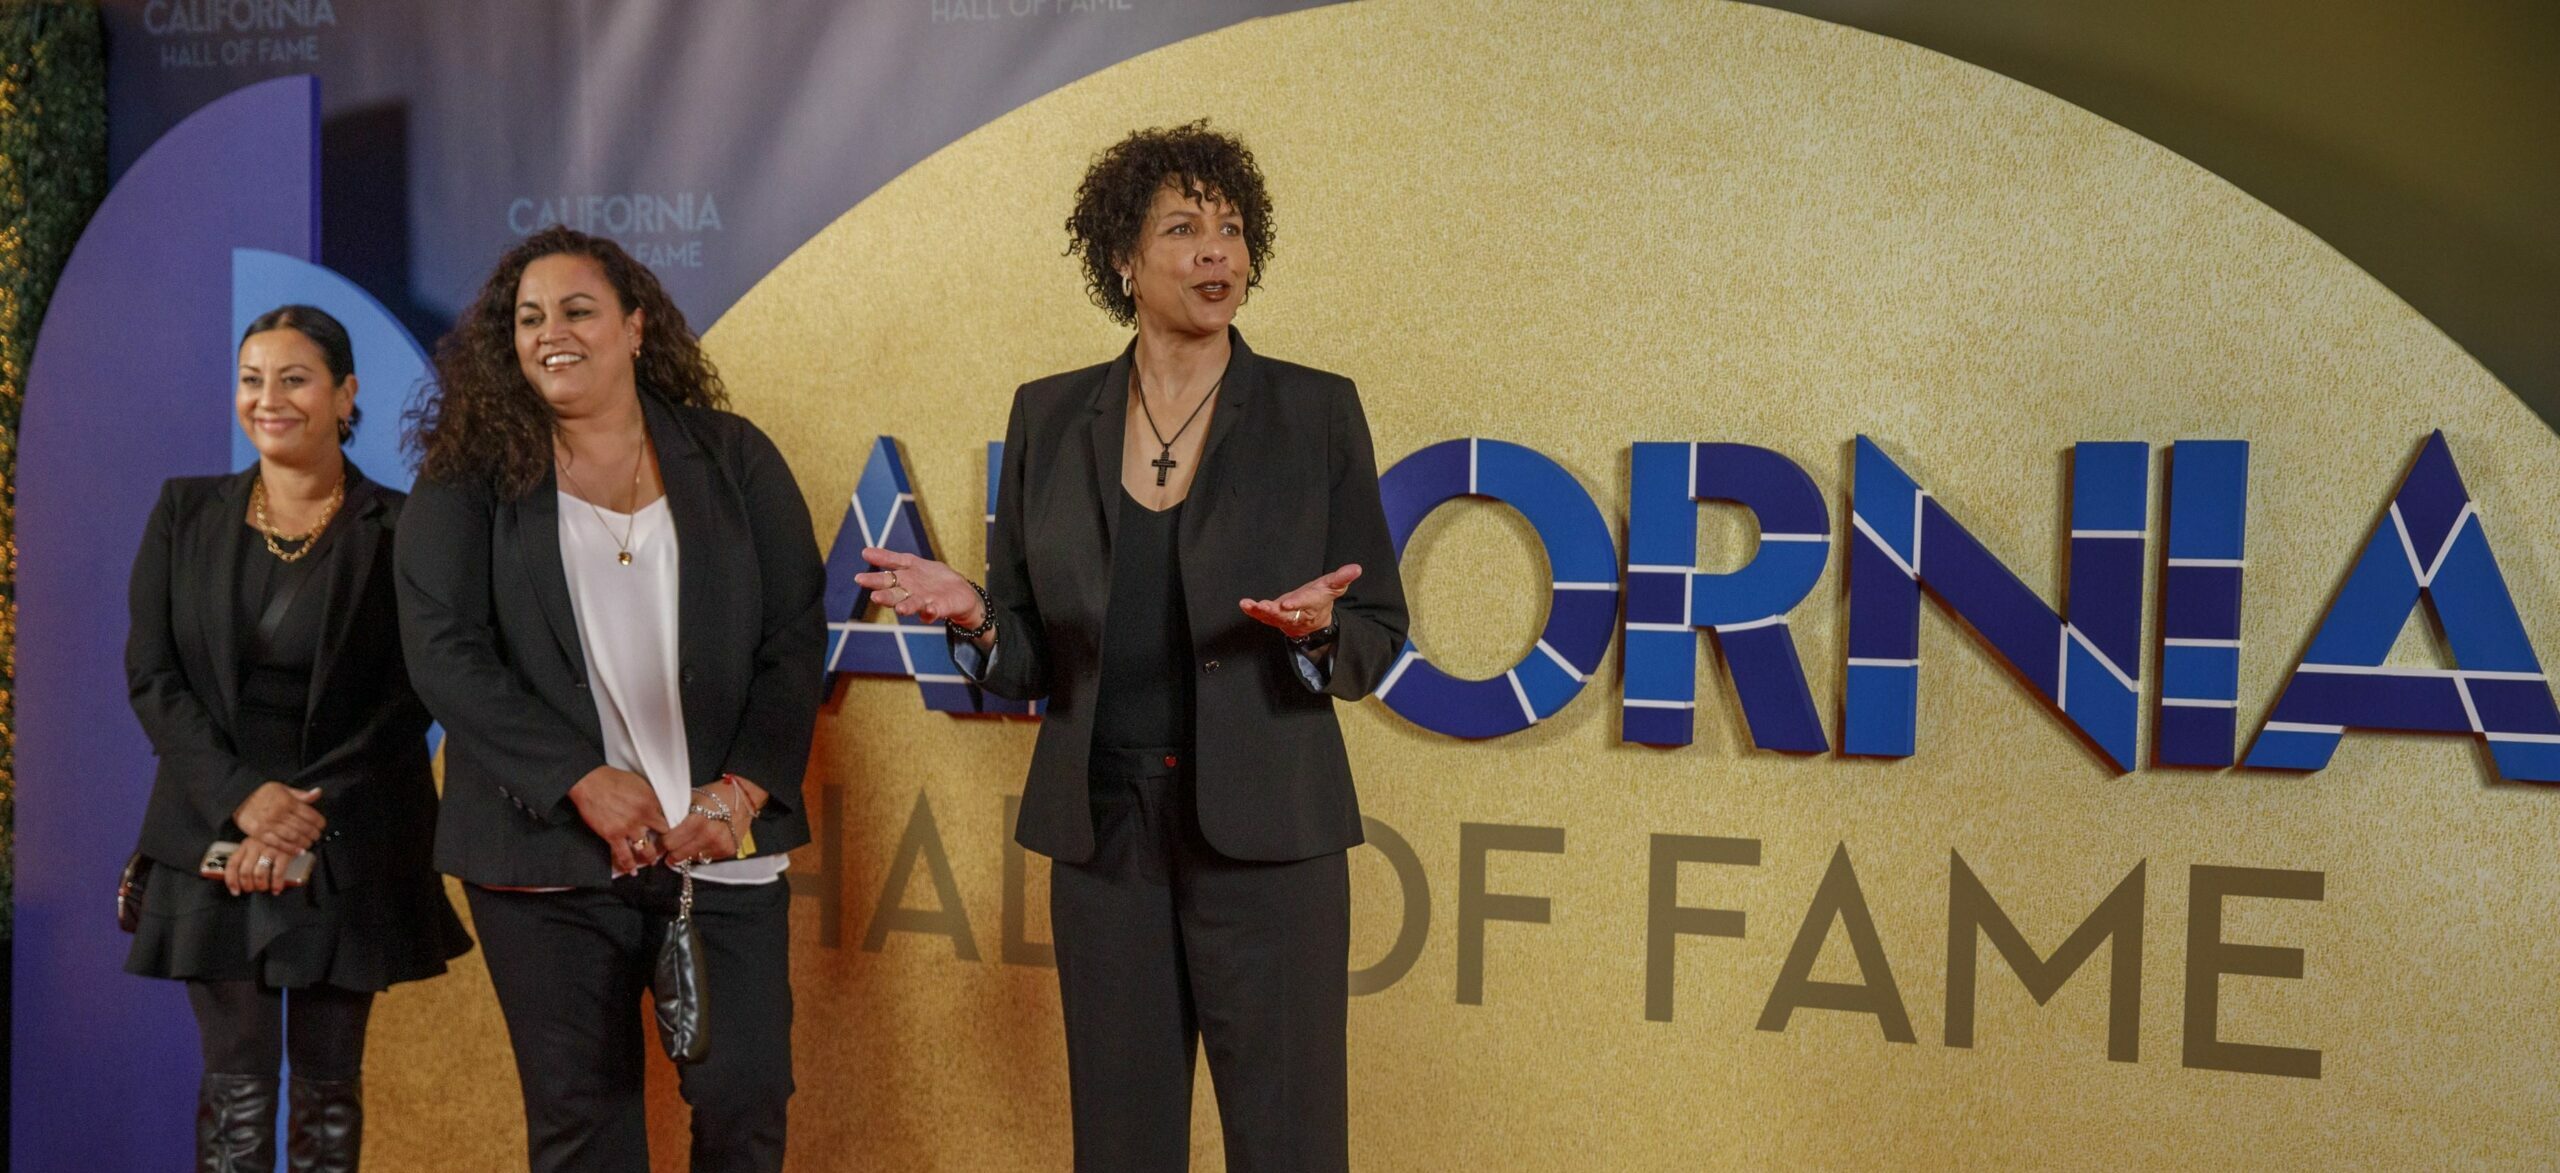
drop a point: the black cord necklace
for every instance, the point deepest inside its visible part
(1164, 461)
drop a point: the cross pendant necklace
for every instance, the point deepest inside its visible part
(1164, 461)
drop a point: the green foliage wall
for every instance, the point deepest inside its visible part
(53, 171)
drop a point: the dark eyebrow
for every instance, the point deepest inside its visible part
(530, 304)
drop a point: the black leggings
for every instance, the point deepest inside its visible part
(249, 1028)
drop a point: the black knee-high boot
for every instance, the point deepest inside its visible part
(236, 1124)
(325, 1130)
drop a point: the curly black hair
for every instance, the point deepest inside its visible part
(1111, 203)
(479, 421)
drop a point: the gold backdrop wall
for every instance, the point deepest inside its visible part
(1579, 226)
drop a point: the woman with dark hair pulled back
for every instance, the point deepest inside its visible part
(284, 859)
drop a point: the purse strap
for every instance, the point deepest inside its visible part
(280, 604)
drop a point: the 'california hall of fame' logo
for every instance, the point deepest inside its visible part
(238, 34)
(663, 230)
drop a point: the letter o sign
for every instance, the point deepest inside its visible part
(1582, 613)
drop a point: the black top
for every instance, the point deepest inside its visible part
(1144, 701)
(275, 671)
(1287, 489)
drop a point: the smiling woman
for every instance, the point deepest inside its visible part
(282, 867)
(582, 499)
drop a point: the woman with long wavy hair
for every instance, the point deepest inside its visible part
(610, 596)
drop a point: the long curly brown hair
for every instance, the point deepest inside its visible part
(1111, 203)
(479, 421)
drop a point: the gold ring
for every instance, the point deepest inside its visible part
(893, 581)
(1299, 615)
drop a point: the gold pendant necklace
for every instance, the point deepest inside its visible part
(309, 541)
(622, 541)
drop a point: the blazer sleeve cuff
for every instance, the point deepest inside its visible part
(1313, 671)
(974, 662)
(781, 785)
(225, 796)
(547, 800)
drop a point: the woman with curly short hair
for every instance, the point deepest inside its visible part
(609, 592)
(1190, 781)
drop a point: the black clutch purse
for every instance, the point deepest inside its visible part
(677, 989)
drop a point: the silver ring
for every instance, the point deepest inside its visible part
(1299, 615)
(640, 844)
(266, 862)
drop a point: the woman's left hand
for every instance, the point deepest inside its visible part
(703, 839)
(1307, 609)
(698, 839)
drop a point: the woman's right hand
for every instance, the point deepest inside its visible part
(622, 809)
(920, 586)
(283, 815)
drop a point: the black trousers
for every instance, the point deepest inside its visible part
(1164, 945)
(572, 971)
(249, 1028)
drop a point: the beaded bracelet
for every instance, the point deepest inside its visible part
(986, 615)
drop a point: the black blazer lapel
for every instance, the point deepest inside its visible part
(218, 549)
(1110, 426)
(537, 520)
(1240, 387)
(342, 595)
(703, 544)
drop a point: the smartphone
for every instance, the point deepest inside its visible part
(217, 861)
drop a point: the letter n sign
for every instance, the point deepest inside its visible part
(2084, 665)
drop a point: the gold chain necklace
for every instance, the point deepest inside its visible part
(310, 541)
(622, 541)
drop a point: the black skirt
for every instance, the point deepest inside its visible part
(355, 936)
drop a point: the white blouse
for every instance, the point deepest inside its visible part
(627, 628)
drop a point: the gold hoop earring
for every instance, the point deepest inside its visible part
(1124, 285)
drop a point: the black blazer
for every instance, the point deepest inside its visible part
(1287, 489)
(493, 646)
(364, 732)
